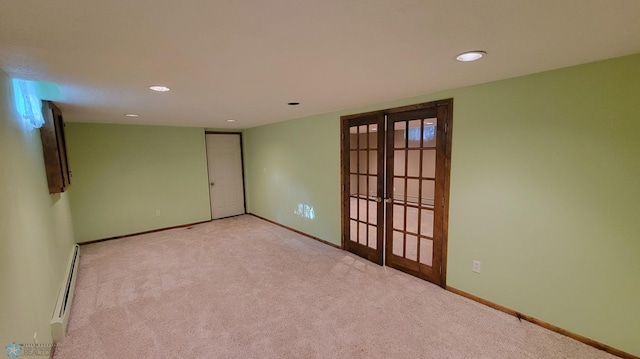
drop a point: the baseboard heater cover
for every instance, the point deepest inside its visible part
(65, 297)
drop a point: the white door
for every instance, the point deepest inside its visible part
(226, 189)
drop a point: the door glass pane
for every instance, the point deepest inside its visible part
(353, 138)
(414, 134)
(429, 132)
(362, 162)
(353, 161)
(373, 237)
(362, 214)
(426, 251)
(398, 189)
(362, 238)
(362, 185)
(373, 136)
(362, 137)
(373, 212)
(429, 163)
(412, 248)
(413, 163)
(412, 191)
(428, 189)
(372, 186)
(398, 217)
(353, 231)
(373, 162)
(398, 163)
(400, 134)
(426, 222)
(398, 245)
(353, 185)
(412, 220)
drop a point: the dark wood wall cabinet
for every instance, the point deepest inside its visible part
(54, 148)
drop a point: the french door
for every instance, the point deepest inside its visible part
(395, 172)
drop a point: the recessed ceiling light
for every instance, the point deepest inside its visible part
(159, 88)
(131, 115)
(293, 103)
(470, 56)
(231, 120)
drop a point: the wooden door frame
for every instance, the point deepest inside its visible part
(447, 104)
(244, 190)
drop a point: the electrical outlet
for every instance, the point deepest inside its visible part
(157, 213)
(476, 267)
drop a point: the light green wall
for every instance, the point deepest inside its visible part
(543, 192)
(294, 163)
(36, 233)
(122, 174)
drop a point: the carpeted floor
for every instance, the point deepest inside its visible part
(244, 288)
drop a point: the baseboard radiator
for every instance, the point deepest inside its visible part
(65, 297)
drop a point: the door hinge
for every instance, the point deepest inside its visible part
(442, 201)
(446, 127)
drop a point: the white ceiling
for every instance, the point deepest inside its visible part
(246, 59)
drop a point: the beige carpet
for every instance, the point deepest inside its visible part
(243, 288)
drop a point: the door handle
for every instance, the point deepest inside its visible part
(389, 200)
(212, 184)
(378, 199)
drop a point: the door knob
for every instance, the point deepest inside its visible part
(212, 184)
(389, 200)
(378, 199)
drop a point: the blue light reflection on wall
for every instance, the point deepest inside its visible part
(305, 211)
(28, 104)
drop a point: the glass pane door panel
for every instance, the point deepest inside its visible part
(411, 251)
(362, 137)
(372, 162)
(400, 134)
(373, 180)
(413, 163)
(426, 251)
(373, 219)
(398, 163)
(429, 132)
(398, 243)
(414, 133)
(412, 220)
(429, 163)
(362, 233)
(373, 237)
(412, 191)
(426, 222)
(353, 161)
(362, 209)
(353, 231)
(398, 217)
(373, 136)
(428, 193)
(353, 185)
(398, 189)
(353, 138)
(363, 162)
